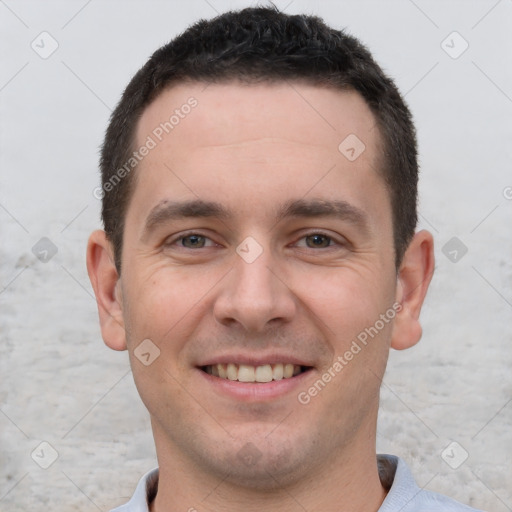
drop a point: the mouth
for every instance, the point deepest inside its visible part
(255, 374)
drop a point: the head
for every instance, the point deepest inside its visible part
(263, 45)
(270, 224)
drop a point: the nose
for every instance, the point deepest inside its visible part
(255, 295)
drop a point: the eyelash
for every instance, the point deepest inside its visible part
(332, 240)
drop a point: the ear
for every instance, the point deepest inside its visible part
(107, 288)
(414, 278)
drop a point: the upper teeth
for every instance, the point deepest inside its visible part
(248, 373)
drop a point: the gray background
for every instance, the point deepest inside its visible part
(59, 383)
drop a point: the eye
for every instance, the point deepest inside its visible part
(316, 241)
(193, 241)
(190, 241)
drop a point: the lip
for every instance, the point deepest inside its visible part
(253, 391)
(253, 360)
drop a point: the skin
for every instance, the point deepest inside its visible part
(252, 149)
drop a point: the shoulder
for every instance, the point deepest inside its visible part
(406, 496)
(144, 493)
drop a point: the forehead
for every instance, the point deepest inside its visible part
(253, 145)
(227, 114)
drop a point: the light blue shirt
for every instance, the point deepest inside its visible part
(404, 494)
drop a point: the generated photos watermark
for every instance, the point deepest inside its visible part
(151, 142)
(361, 341)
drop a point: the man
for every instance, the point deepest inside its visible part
(259, 183)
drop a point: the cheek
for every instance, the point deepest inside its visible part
(346, 299)
(164, 303)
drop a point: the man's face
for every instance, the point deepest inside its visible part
(252, 239)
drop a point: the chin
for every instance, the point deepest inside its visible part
(260, 463)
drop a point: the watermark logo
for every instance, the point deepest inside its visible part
(249, 454)
(454, 455)
(44, 250)
(249, 250)
(454, 45)
(44, 455)
(146, 352)
(44, 45)
(454, 249)
(351, 147)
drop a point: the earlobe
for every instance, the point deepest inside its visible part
(414, 278)
(106, 284)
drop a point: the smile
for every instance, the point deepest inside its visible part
(249, 373)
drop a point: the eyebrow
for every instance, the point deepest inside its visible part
(324, 208)
(167, 211)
